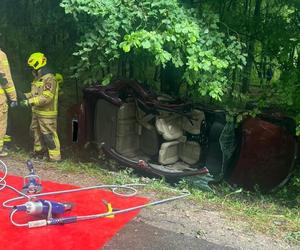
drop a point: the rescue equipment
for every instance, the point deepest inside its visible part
(32, 182)
(52, 209)
(45, 207)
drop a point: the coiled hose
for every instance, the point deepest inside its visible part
(72, 219)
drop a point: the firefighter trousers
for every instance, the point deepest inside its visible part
(3, 123)
(45, 135)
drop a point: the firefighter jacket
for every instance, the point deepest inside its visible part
(44, 95)
(7, 88)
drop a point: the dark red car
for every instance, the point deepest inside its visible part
(162, 136)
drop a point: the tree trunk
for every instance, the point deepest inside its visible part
(170, 80)
(251, 46)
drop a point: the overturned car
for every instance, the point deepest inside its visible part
(161, 136)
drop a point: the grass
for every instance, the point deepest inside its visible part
(262, 213)
(274, 215)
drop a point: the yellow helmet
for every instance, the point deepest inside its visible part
(37, 60)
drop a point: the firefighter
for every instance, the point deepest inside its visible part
(43, 99)
(7, 91)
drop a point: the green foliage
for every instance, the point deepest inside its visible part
(293, 237)
(36, 25)
(270, 29)
(290, 193)
(126, 38)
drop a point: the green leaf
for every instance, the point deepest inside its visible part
(146, 44)
(126, 48)
(106, 80)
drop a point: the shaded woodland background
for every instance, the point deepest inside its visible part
(240, 55)
(228, 53)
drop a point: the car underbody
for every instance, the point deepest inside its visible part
(162, 136)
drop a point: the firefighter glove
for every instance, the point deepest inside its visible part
(13, 104)
(24, 103)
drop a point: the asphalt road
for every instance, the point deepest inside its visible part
(140, 236)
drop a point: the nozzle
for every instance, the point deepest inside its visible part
(68, 206)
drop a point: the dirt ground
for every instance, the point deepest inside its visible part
(179, 216)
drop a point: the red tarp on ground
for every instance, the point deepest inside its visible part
(91, 234)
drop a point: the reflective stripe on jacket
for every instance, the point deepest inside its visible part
(44, 96)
